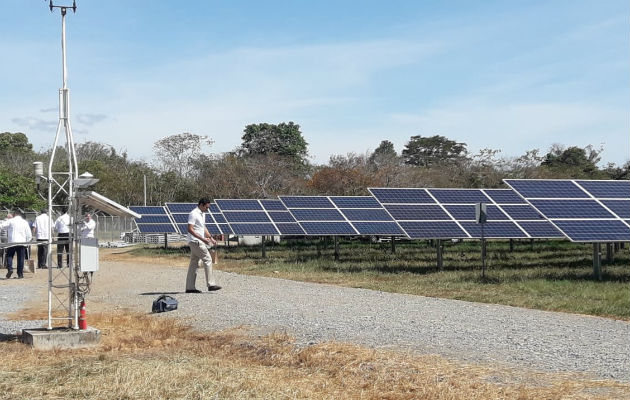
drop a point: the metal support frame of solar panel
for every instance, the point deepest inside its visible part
(247, 217)
(179, 212)
(584, 210)
(154, 220)
(450, 213)
(341, 216)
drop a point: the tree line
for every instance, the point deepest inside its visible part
(273, 160)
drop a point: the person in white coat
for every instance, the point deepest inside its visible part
(19, 232)
(62, 226)
(88, 226)
(41, 230)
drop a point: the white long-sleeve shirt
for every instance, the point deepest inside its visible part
(18, 230)
(42, 226)
(62, 224)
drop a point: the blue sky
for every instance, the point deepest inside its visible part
(504, 75)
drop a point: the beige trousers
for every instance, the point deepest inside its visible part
(199, 251)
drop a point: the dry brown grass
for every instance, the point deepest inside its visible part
(156, 357)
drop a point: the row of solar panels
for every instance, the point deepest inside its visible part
(585, 211)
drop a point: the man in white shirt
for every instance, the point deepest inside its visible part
(18, 232)
(41, 230)
(88, 226)
(198, 237)
(62, 226)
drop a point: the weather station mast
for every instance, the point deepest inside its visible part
(69, 282)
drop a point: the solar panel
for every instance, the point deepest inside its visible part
(148, 210)
(494, 230)
(355, 202)
(583, 210)
(504, 196)
(619, 207)
(246, 217)
(433, 230)
(341, 215)
(401, 196)
(606, 189)
(506, 210)
(459, 196)
(282, 218)
(156, 228)
(154, 219)
(541, 229)
(306, 202)
(540, 188)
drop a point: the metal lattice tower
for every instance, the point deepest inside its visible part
(64, 281)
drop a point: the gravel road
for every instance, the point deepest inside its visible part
(470, 332)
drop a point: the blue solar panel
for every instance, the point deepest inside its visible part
(541, 229)
(547, 189)
(522, 212)
(238, 205)
(366, 214)
(498, 229)
(316, 214)
(290, 229)
(401, 196)
(466, 212)
(219, 218)
(273, 205)
(607, 189)
(214, 208)
(183, 208)
(355, 202)
(148, 210)
(328, 228)
(281, 216)
(459, 196)
(419, 212)
(253, 229)
(571, 209)
(154, 219)
(595, 230)
(245, 216)
(432, 230)
(306, 202)
(225, 229)
(619, 207)
(504, 196)
(182, 228)
(180, 218)
(213, 229)
(378, 228)
(156, 228)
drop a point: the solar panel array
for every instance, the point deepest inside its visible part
(247, 217)
(154, 219)
(584, 210)
(450, 213)
(341, 215)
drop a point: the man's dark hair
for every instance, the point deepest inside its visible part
(17, 212)
(44, 210)
(64, 209)
(203, 200)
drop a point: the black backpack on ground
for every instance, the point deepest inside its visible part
(164, 303)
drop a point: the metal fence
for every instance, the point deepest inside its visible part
(111, 228)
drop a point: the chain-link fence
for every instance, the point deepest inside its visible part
(110, 228)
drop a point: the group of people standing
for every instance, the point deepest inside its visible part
(20, 233)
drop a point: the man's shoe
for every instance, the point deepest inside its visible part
(212, 288)
(20, 276)
(9, 274)
(193, 291)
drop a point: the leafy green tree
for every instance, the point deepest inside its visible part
(573, 162)
(384, 154)
(433, 150)
(16, 153)
(284, 139)
(18, 191)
